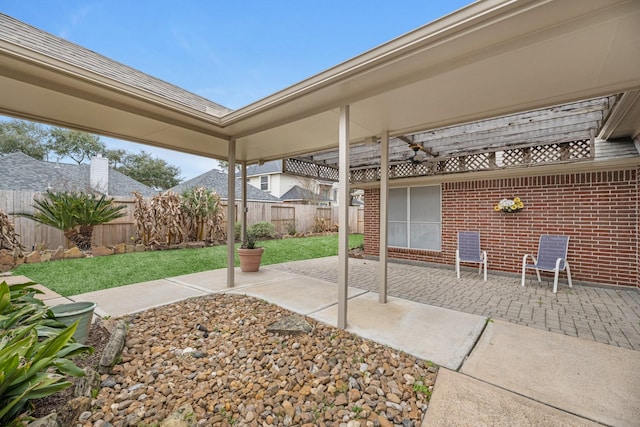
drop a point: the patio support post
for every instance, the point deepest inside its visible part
(343, 215)
(231, 214)
(245, 209)
(384, 197)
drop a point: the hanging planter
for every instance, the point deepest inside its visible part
(509, 205)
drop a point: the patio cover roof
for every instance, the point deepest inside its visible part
(492, 58)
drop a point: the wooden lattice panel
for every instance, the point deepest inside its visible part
(580, 149)
(300, 167)
(514, 157)
(480, 161)
(450, 165)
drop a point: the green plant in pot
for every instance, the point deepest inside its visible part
(249, 253)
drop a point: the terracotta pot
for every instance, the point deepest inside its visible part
(250, 259)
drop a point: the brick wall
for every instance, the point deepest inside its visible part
(599, 210)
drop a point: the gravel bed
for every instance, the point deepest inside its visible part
(233, 371)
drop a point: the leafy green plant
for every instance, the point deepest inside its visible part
(420, 387)
(263, 230)
(75, 214)
(290, 226)
(35, 351)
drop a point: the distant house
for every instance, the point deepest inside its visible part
(270, 177)
(302, 196)
(22, 172)
(218, 181)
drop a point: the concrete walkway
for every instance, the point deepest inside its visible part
(492, 372)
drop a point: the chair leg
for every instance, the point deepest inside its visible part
(555, 281)
(484, 259)
(524, 268)
(568, 273)
(458, 263)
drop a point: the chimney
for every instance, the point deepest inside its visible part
(99, 174)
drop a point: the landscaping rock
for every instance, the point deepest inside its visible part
(140, 247)
(130, 248)
(195, 245)
(72, 411)
(181, 417)
(7, 260)
(113, 350)
(101, 251)
(50, 420)
(57, 254)
(73, 253)
(33, 257)
(291, 325)
(120, 248)
(244, 374)
(87, 384)
(45, 256)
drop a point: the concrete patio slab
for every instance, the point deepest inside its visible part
(14, 280)
(592, 380)
(445, 337)
(459, 400)
(138, 297)
(303, 295)
(216, 280)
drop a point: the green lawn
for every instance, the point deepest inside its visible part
(77, 276)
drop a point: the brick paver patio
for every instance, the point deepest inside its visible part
(610, 316)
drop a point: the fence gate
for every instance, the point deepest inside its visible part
(283, 217)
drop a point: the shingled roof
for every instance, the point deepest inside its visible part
(21, 172)
(47, 44)
(218, 181)
(297, 193)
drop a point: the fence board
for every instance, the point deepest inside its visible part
(34, 235)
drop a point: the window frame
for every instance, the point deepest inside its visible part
(264, 182)
(410, 224)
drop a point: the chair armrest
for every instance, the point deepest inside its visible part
(524, 260)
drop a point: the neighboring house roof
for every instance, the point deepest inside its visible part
(298, 193)
(265, 168)
(218, 181)
(21, 172)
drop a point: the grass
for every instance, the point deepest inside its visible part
(77, 276)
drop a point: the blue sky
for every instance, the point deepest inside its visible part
(231, 52)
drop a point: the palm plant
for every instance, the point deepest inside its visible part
(75, 214)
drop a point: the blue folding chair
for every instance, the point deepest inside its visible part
(469, 251)
(552, 256)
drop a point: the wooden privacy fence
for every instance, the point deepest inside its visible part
(122, 230)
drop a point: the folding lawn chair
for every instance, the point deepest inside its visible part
(552, 256)
(469, 251)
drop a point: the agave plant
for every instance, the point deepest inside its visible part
(75, 214)
(35, 351)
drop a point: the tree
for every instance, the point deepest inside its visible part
(26, 137)
(224, 166)
(78, 146)
(116, 157)
(75, 214)
(151, 171)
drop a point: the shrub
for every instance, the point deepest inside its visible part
(35, 351)
(263, 230)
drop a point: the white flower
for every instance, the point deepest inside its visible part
(506, 203)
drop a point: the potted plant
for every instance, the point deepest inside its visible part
(250, 255)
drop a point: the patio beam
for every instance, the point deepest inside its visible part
(343, 216)
(384, 197)
(231, 214)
